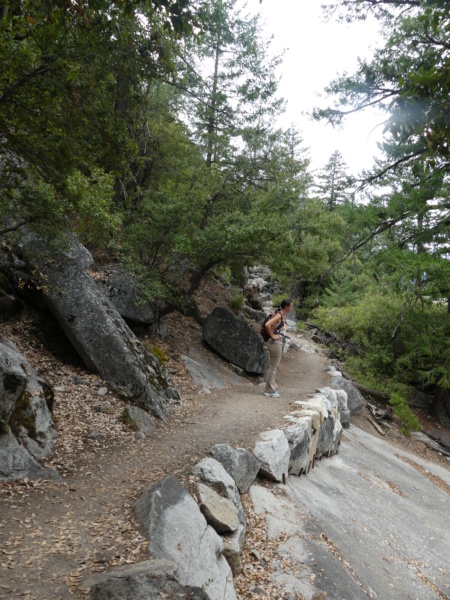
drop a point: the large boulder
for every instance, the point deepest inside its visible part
(355, 399)
(123, 290)
(17, 463)
(141, 581)
(95, 328)
(27, 432)
(239, 463)
(177, 531)
(235, 340)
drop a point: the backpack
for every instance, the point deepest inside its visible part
(264, 333)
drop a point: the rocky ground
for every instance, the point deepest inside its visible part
(54, 534)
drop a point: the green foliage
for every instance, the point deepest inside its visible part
(395, 337)
(333, 184)
(160, 354)
(64, 67)
(405, 414)
(301, 326)
(407, 77)
(236, 301)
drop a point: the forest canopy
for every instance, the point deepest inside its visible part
(150, 129)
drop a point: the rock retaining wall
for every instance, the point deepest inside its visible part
(203, 539)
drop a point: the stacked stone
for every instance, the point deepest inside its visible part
(203, 540)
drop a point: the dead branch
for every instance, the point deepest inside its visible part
(375, 424)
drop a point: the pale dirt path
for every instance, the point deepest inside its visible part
(52, 535)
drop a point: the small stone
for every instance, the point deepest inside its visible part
(257, 590)
(255, 554)
(59, 388)
(77, 380)
(105, 408)
(238, 370)
(112, 421)
(96, 436)
(102, 391)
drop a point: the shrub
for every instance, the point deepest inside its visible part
(301, 326)
(236, 302)
(405, 414)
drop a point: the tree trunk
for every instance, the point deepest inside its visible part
(211, 125)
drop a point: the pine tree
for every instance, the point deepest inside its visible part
(333, 184)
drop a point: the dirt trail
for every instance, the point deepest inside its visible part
(52, 535)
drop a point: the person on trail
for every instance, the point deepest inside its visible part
(276, 327)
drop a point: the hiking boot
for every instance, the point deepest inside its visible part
(272, 394)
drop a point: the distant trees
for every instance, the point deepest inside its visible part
(390, 292)
(333, 184)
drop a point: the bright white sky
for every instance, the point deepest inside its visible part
(317, 51)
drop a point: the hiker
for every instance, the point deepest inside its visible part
(275, 326)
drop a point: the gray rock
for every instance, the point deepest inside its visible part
(138, 419)
(102, 391)
(25, 404)
(330, 429)
(142, 581)
(240, 464)
(17, 463)
(233, 339)
(257, 590)
(232, 548)
(344, 416)
(122, 289)
(355, 399)
(96, 436)
(203, 374)
(160, 329)
(255, 315)
(213, 473)
(9, 304)
(299, 436)
(338, 398)
(96, 329)
(104, 408)
(13, 378)
(178, 531)
(273, 453)
(219, 512)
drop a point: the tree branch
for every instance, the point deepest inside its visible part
(40, 70)
(390, 167)
(12, 228)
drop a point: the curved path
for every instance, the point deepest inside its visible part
(52, 535)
